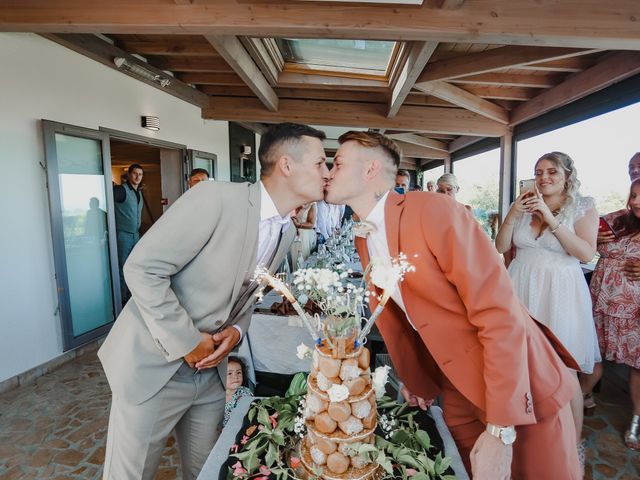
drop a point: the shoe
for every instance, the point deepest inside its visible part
(632, 436)
(589, 404)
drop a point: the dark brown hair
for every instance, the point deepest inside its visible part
(278, 135)
(628, 222)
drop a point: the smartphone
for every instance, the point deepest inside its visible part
(604, 227)
(528, 185)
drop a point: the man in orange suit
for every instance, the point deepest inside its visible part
(455, 326)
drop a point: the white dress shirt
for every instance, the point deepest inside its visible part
(379, 247)
(328, 217)
(272, 224)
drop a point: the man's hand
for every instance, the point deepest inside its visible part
(605, 237)
(490, 458)
(414, 400)
(224, 341)
(204, 348)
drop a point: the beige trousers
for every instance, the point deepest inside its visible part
(192, 403)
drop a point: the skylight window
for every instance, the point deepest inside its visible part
(368, 57)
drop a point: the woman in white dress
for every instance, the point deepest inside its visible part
(305, 222)
(554, 229)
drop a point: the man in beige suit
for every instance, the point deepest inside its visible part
(190, 279)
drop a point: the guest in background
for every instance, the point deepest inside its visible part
(128, 203)
(615, 291)
(634, 174)
(196, 176)
(448, 184)
(236, 386)
(553, 230)
(431, 186)
(403, 181)
(305, 221)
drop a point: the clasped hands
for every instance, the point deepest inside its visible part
(212, 349)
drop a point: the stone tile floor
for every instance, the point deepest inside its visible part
(56, 429)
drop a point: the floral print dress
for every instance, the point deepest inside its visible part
(231, 404)
(616, 300)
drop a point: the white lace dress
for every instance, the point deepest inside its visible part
(550, 283)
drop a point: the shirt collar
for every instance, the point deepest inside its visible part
(268, 210)
(376, 216)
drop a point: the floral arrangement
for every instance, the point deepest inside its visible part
(401, 448)
(341, 302)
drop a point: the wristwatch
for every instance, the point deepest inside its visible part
(507, 435)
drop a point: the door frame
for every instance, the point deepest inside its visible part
(191, 154)
(49, 130)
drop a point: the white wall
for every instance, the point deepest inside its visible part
(42, 80)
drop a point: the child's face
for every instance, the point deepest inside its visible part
(234, 376)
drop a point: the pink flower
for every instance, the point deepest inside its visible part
(234, 448)
(238, 470)
(261, 478)
(411, 472)
(264, 470)
(295, 462)
(273, 420)
(244, 440)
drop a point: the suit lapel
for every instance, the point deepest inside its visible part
(392, 213)
(283, 246)
(247, 255)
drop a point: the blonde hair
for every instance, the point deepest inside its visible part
(449, 179)
(565, 163)
(375, 140)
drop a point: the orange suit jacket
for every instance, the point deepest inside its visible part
(469, 324)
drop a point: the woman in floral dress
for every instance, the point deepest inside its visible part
(615, 291)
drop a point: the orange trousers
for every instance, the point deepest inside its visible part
(545, 450)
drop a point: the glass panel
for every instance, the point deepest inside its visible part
(205, 163)
(600, 148)
(479, 180)
(86, 239)
(431, 175)
(356, 56)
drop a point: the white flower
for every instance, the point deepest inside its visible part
(385, 275)
(302, 351)
(379, 379)
(338, 393)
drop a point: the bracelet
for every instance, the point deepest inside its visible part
(556, 229)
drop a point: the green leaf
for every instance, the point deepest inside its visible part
(408, 459)
(423, 439)
(420, 476)
(263, 417)
(272, 455)
(252, 414)
(253, 462)
(442, 464)
(367, 448)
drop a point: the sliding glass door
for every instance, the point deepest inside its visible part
(83, 230)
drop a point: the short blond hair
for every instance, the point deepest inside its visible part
(374, 140)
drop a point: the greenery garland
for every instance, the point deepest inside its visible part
(277, 425)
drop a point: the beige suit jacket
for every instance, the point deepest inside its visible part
(186, 276)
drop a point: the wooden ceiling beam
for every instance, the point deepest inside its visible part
(465, 99)
(416, 151)
(419, 55)
(187, 64)
(520, 94)
(570, 23)
(438, 120)
(174, 46)
(509, 80)
(449, 4)
(206, 78)
(461, 142)
(421, 141)
(494, 59)
(615, 68)
(230, 48)
(104, 52)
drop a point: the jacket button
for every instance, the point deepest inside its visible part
(217, 323)
(529, 409)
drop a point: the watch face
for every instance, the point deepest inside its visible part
(508, 435)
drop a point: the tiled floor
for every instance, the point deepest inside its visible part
(55, 429)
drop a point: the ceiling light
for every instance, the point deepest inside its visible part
(139, 70)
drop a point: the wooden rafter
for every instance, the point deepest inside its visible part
(462, 98)
(449, 4)
(169, 46)
(208, 78)
(494, 59)
(104, 52)
(420, 140)
(419, 55)
(187, 64)
(302, 80)
(617, 67)
(509, 80)
(462, 142)
(570, 23)
(230, 48)
(429, 119)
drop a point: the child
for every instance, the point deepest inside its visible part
(235, 386)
